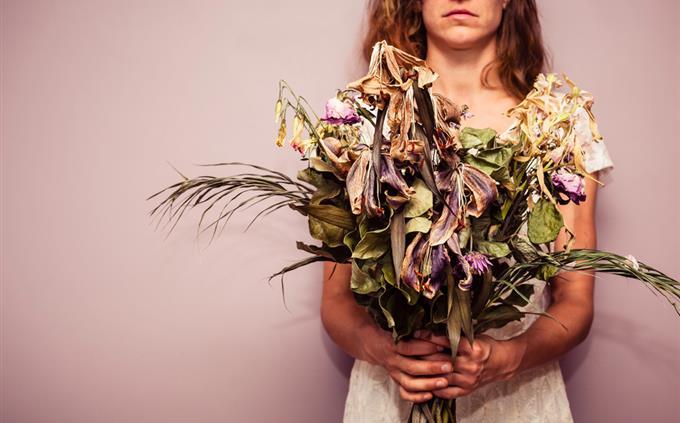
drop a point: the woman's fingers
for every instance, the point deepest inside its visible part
(427, 335)
(417, 367)
(416, 347)
(438, 356)
(414, 396)
(417, 383)
(451, 392)
(462, 380)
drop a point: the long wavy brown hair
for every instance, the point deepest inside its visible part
(520, 54)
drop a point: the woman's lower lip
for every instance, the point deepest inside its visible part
(459, 15)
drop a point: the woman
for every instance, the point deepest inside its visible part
(487, 54)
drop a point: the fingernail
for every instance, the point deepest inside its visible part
(441, 383)
(446, 367)
(440, 348)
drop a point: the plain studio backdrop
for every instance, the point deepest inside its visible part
(104, 320)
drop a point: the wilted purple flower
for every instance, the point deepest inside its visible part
(478, 262)
(440, 262)
(339, 112)
(570, 184)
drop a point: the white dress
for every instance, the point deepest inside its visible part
(536, 395)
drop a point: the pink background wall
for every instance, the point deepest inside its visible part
(104, 321)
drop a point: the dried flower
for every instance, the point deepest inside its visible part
(281, 137)
(570, 184)
(339, 112)
(478, 262)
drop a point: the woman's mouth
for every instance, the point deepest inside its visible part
(459, 13)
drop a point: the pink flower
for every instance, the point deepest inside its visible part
(478, 262)
(339, 112)
(570, 184)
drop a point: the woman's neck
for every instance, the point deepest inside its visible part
(460, 71)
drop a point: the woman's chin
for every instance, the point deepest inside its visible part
(461, 38)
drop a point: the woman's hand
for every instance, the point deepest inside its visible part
(487, 360)
(417, 378)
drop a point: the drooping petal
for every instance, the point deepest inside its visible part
(414, 257)
(356, 181)
(454, 244)
(440, 263)
(371, 202)
(396, 201)
(391, 176)
(408, 272)
(447, 223)
(462, 272)
(483, 188)
(337, 153)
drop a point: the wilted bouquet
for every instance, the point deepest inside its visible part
(445, 226)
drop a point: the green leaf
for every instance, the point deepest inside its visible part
(493, 249)
(351, 239)
(332, 235)
(523, 250)
(463, 303)
(476, 137)
(438, 308)
(545, 222)
(410, 294)
(404, 319)
(497, 316)
(374, 243)
(514, 298)
(382, 301)
(388, 269)
(361, 282)
(490, 161)
(420, 202)
(326, 191)
(330, 214)
(546, 272)
(397, 241)
(311, 176)
(372, 246)
(418, 224)
(454, 323)
(483, 293)
(337, 254)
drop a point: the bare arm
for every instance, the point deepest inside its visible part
(345, 321)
